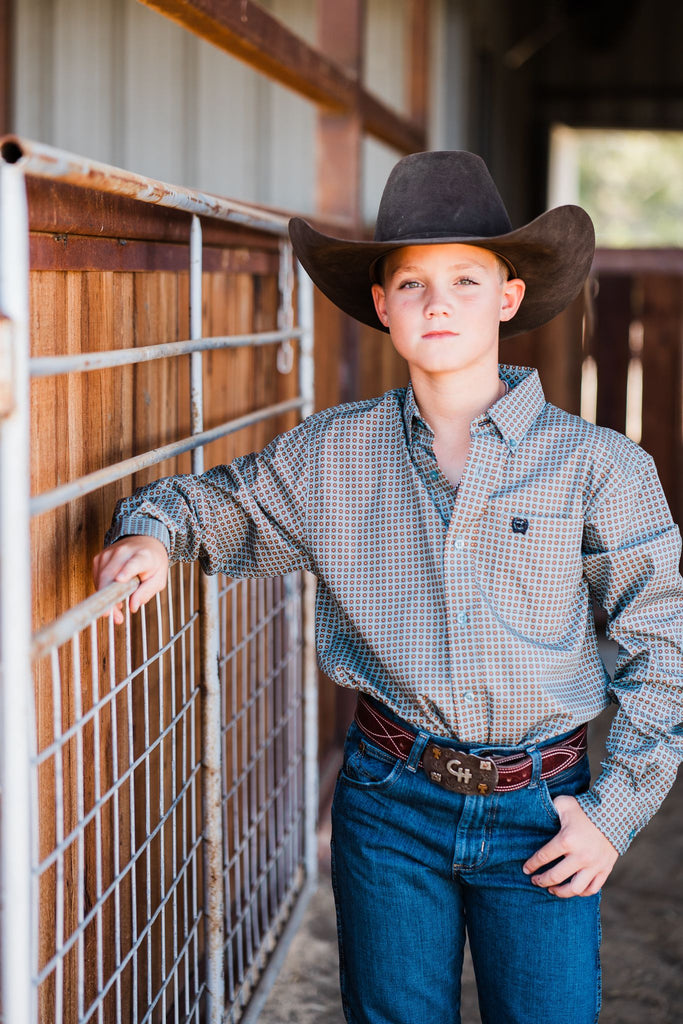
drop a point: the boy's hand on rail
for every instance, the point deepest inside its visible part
(584, 855)
(145, 557)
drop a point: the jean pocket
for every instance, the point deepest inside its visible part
(571, 782)
(369, 767)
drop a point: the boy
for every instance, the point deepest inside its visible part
(458, 529)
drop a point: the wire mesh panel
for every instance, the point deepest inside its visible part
(117, 871)
(263, 765)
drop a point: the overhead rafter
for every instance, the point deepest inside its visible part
(247, 31)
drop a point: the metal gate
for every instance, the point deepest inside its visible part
(191, 735)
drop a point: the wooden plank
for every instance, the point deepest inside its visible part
(247, 31)
(662, 317)
(70, 252)
(417, 79)
(557, 354)
(338, 174)
(385, 125)
(59, 208)
(610, 348)
(638, 261)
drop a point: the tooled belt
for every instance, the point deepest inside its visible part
(468, 773)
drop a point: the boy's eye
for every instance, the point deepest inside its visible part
(409, 284)
(465, 280)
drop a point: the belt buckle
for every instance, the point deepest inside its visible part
(459, 772)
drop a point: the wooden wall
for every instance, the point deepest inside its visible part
(637, 341)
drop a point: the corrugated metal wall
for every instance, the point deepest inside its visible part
(116, 81)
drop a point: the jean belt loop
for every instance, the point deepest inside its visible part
(416, 751)
(536, 766)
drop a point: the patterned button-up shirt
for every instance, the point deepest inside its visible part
(467, 612)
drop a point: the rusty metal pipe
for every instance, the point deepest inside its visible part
(43, 161)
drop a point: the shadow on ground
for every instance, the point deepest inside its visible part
(642, 951)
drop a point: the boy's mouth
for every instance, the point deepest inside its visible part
(440, 334)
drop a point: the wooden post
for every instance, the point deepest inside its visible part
(417, 77)
(338, 195)
(613, 315)
(340, 37)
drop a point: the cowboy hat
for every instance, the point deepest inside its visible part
(440, 197)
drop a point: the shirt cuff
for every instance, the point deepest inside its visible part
(138, 526)
(613, 807)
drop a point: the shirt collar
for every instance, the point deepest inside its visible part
(513, 414)
(411, 415)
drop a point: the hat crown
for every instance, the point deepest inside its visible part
(440, 195)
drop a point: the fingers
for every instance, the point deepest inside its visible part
(581, 857)
(143, 557)
(551, 851)
(583, 883)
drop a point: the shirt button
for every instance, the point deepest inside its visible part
(469, 696)
(459, 543)
(512, 444)
(434, 474)
(461, 618)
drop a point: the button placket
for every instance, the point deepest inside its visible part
(484, 469)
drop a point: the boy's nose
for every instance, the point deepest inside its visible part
(437, 304)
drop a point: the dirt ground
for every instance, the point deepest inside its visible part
(642, 951)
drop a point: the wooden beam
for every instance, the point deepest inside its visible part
(340, 29)
(245, 30)
(417, 78)
(389, 127)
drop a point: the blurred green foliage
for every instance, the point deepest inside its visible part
(631, 183)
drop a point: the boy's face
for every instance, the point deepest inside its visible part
(443, 305)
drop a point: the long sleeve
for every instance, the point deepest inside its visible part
(246, 519)
(631, 555)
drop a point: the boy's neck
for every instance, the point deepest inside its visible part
(451, 402)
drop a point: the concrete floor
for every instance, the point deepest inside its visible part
(642, 949)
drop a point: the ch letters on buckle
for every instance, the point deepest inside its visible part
(459, 772)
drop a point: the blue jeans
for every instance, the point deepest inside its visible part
(414, 867)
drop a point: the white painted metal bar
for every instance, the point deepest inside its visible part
(19, 908)
(117, 471)
(84, 362)
(310, 668)
(214, 909)
(37, 159)
(76, 619)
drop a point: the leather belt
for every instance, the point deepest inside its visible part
(460, 772)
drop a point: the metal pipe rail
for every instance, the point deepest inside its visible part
(84, 362)
(62, 629)
(39, 160)
(251, 697)
(118, 470)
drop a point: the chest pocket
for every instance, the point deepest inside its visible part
(529, 569)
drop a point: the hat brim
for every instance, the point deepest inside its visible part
(552, 255)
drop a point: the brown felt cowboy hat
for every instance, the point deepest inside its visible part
(440, 197)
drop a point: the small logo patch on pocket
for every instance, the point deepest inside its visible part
(519, 524)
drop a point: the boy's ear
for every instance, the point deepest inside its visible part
(513, 293)
(379, 298)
